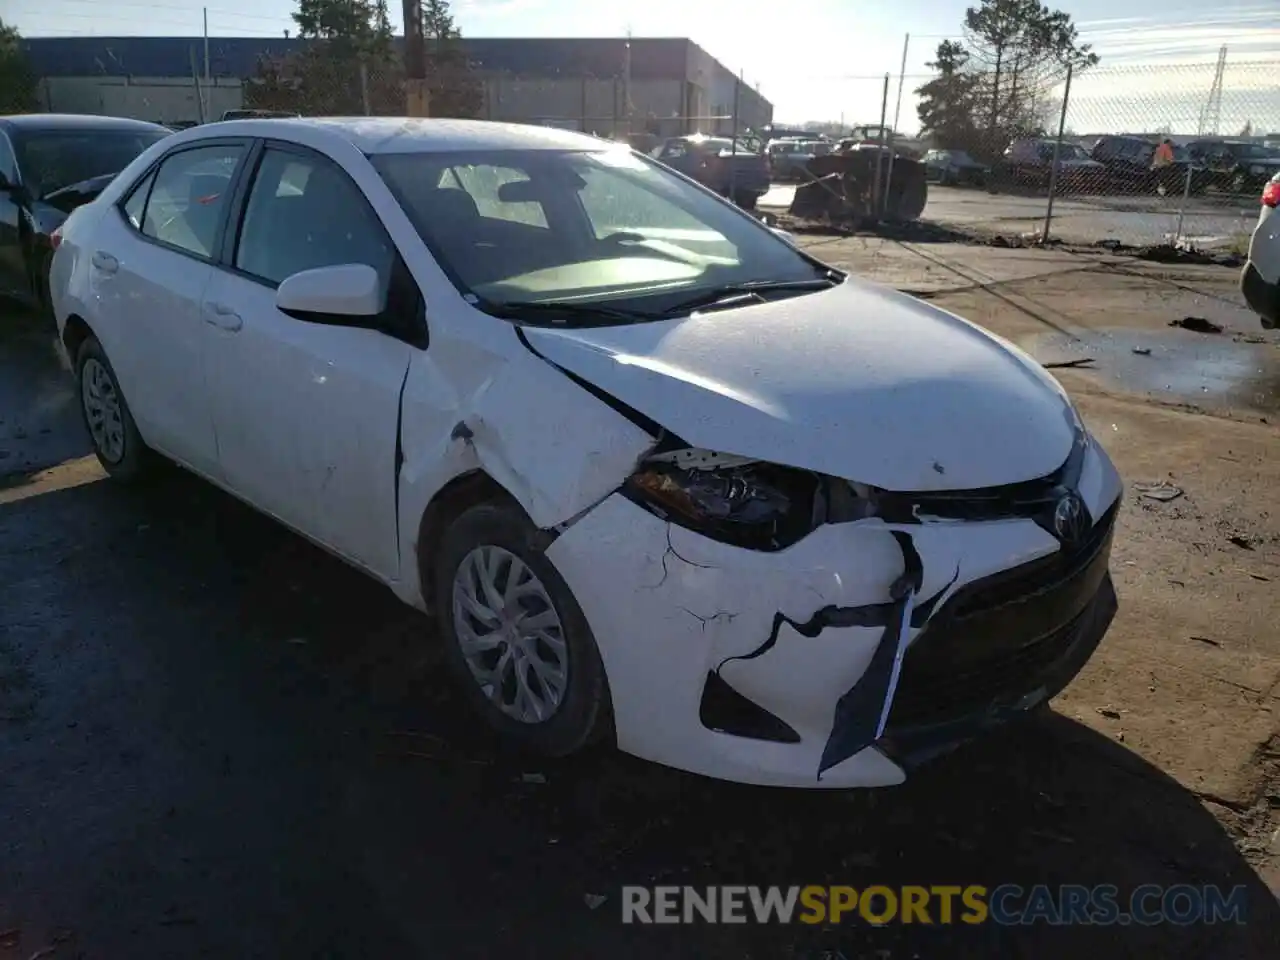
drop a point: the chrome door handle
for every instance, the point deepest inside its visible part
(105, 262)
(223, 317)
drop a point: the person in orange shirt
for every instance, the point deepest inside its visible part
(1164, 154)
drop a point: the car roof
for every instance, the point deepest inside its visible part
(45, 122)
(383, 135)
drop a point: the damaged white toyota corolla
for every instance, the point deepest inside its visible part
(662, 476)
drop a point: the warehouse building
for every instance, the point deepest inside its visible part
(606, 86)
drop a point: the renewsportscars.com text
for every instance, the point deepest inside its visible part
(1006, 905)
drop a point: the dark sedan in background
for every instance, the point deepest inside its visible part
(733, 170)
(955, 168)
(49, 165)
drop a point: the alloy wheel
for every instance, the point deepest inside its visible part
(510, 634)
(101, 401)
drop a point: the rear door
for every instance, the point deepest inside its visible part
(150, 261)
(307, 415)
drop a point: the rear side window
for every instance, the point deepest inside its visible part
(305, 213)
(188, 197)
(135, 207)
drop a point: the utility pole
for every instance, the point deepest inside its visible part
(207, 94)
(415, 61)
(626, 81)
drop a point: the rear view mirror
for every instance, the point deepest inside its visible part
(345, 295)
(530, 191)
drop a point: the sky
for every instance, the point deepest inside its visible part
(822, 59)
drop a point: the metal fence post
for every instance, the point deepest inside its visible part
(1182, 208)
(1057, 146)
(897, 111)
(878, 200)
(733, 141)
(364, 87)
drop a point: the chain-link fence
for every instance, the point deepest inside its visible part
(1138, 155)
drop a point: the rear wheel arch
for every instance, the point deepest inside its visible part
(75, 332)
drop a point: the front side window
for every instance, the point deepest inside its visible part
(189, 197)
(304, 213)
(612, 226)
(53, 159)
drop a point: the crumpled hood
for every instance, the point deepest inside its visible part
(858, 381)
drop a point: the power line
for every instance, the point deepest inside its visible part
(193, 11)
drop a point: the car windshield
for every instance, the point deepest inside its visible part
(52, 159)
(1069, 151)
(587, 227)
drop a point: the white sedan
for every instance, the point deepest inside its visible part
(1260, 281)
(663, 478)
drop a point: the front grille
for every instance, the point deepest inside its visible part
(995, 639)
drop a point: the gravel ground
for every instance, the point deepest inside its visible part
(216, 740)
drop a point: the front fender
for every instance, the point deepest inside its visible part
(553, 446)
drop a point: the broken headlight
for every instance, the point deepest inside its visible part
(747, 503)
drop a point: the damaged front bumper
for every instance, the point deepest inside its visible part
(834, 663)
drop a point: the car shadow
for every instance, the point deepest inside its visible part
(233, 743)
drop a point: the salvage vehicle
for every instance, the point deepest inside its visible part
(1029, 163)
(732, 169)
(49, 165)
(665, 479)
(1260, 280)
(951, 168)
(1235, 166)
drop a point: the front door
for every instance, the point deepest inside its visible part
(307, 414)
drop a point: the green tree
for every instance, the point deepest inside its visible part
(348, 58)
(948, 102)
(452, 85)
(1022, 47)
(17, 80)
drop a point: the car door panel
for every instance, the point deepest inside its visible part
(12, 262)
(148, 274)
(307, 417)
(306, 414)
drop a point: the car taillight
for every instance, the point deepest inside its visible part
(55, 238)
(1271, 194)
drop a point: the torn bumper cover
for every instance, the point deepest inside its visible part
(849, 656)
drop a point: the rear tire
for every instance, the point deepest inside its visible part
(493, 537)
(105, 412)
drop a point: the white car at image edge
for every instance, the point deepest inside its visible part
(1260, 280)
(663, 478)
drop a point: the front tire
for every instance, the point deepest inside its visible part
(116, 441)
(514, 635)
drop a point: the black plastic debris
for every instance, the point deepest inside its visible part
(1197, 325)
(1062, 364)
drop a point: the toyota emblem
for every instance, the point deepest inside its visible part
(1070, 519)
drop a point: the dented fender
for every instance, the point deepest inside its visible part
(466, 407)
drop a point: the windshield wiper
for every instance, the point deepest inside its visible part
(731, 294)
(542, 310)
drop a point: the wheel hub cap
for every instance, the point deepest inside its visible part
(102, 410)
(508, 630)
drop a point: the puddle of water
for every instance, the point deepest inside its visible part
(1209, 370)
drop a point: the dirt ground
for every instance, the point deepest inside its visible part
(217, 741)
